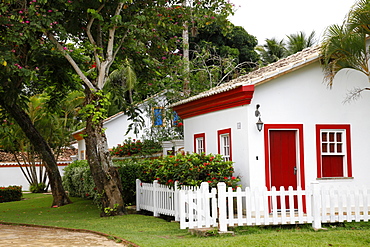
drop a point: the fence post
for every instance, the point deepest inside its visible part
(316, 205)
(155, 201)
(222, 217)
(204, 214)
(138, 194)
(177, 201)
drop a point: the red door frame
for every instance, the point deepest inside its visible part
(299, 129)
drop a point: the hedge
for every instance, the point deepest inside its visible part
(77, 180)
(189, 169)
(11, 193)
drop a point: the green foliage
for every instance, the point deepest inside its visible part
(98, 108)
(77, 180)
(128, 170)
(111, 211)
(189, 169)
(136, 147)
(38, 188)
(346, 46)
(11, 193)
(274, 50)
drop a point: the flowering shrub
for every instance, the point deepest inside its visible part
(136, 147)
(11, 193)
(189, 169)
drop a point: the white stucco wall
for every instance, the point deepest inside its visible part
(13, 176)
(219, 120)
(299, 97)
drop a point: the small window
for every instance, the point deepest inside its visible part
(333, 151)
(224, 144)
(157, 116)
(199, 143)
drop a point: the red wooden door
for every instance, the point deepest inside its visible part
(283, 161)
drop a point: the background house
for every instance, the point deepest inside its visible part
(159, 123)
(309, 134)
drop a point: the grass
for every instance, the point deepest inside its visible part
(150, 231)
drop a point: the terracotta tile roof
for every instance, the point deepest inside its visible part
(64, 156)
(263, 74)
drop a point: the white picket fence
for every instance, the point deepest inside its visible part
(222, 207)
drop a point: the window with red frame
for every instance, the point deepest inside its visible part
(200, 143)
(333, 151)
(224, 144)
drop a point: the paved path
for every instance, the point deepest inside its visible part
(22, 236)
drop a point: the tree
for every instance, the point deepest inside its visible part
(345, 46)
(51, 126)
(272, 51)
(297, 42)
(27, 67)
(219, 54)
(100, 31)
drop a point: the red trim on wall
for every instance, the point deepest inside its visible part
(299, 128)
(235, 97)
(221, 132)
(346, 127)
(195, 141)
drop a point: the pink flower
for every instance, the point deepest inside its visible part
(65, 48)
(50, 10)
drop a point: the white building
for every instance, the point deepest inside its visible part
(157, 121)
(309, 134)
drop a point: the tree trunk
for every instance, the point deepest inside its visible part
(106, 177)
(60, 197)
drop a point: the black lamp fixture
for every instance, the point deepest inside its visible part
(259, 123)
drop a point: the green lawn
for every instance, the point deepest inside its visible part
(150, 231)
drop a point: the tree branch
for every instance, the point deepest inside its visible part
(354, 94)
(105, 65)
(70, 60)
(92, 40)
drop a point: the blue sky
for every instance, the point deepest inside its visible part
(278, 18)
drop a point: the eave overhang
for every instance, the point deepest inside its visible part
(236, 97)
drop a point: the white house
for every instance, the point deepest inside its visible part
(157, 119)
(308, 133)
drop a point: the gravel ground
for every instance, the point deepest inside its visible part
(20, 236)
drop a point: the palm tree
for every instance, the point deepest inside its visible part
(344, 46)
(297, 42)
(272, 51)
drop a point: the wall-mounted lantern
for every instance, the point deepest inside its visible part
(259, 123)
